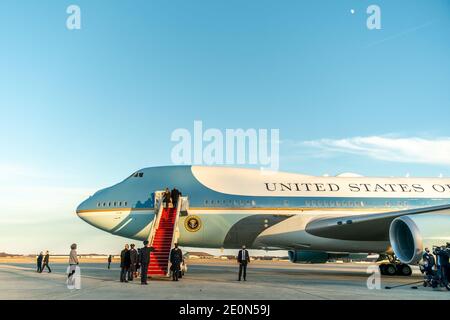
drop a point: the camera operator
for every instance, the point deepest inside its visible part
(443, 254)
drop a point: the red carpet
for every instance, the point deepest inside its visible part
(162, 243)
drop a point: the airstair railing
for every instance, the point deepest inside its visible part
(158, 210)
(182, 201)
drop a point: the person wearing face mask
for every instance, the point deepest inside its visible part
(428, 264)
(243, 259)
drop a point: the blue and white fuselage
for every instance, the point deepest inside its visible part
(263, 210)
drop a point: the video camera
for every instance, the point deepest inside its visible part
(438, 250)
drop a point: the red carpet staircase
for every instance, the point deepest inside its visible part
(162, 243)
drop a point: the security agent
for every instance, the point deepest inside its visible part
(428, 263)
(176, 257)
(243, 259)
(443, 254)
(144, 260)
(428, 260)
(133, 262)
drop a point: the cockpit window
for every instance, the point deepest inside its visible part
(138, 175)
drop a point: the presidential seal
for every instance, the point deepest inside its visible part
(192, 223)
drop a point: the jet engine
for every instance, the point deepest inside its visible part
(411, 234)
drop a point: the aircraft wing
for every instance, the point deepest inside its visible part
(370, 227)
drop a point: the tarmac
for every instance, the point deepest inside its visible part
(207, 280)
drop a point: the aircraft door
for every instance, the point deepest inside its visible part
(158, 198)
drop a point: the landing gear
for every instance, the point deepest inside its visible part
(404, 270)
(394, 267)
(390, 269)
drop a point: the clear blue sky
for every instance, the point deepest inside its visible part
(82, 109)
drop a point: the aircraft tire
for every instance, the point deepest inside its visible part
(391, 270)
(404, 270)
(383, 269)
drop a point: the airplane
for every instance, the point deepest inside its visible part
(315, 218)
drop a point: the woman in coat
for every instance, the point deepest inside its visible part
(73, 259)
(166, 197)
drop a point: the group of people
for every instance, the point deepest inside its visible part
(439, 266)
(134, 263)
(43, 262)
(171, 197)
(133, 260)
(129, 263)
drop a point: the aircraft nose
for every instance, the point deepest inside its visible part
(100, 218)
(86, 212)
(103, 220)
(85, 205)
(83, 210)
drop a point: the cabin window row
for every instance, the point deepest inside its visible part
(347, 204)
(308, 203)
(112, 204)
(333, 204)
(396, 204)
(231, 202)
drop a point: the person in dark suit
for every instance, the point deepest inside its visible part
(124, 263)
(428, 263)
(46, 261)
(109, 261)
(243, 259)
(166, 197)
(442, 254)
(133, 263)
(144, 260)
(39, 262)
(176, 257)
(428, 259)
(175, 194)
